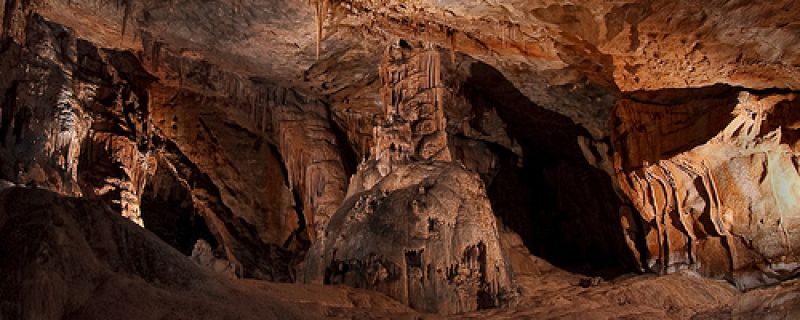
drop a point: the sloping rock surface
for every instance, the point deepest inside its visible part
(69, 258)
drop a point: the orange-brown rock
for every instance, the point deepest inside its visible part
(714, 179)
(608, 137)
(413, 127)
(313, 157)
(268, 115)
(415, 225)
(79, 124)
(75, 258)
(425, 235)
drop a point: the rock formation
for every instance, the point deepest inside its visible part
(81, 260)
(415, 226)
(424, 235)
(74, 117)
(714, 182)
(475, 159)
(203, 255)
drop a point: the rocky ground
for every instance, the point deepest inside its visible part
(77, 259)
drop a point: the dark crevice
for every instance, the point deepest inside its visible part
(8, 110)
(258, 259)
(299, 235)
(347, 151)
(565, 210)
(172, 217)
(674, 96)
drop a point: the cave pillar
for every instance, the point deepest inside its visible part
(416, 225)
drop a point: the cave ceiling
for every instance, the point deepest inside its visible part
(572, 57)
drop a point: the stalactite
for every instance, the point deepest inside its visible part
(3, 9)
(451, 36)
(511, 35)
(320, 11)
(156, 55)
(508, 33)
(126, 12)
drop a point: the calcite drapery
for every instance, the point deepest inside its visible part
(715, 181)
(414, 124)
(78, 125)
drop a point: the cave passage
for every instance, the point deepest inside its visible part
(172, 218)
(566, 210)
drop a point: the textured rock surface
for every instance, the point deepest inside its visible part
(715, 181)
(611, 136)
(425, 234)
(84, 262)
(74, 117)
(415, 226)
(69, 258)
(413, 94)
(88, 130)
(570, 57)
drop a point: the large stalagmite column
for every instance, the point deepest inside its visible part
(415, 226)
(413, 126)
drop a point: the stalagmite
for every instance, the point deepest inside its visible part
(501, 148)
(435, 246)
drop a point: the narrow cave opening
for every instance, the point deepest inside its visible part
(167, 211)
(347, 151)
(298, 241)
(565, 210)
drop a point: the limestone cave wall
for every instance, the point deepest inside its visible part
(445, 156)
